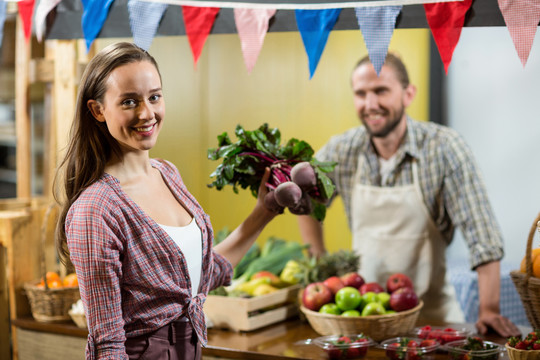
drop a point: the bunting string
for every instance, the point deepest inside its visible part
(314, 20)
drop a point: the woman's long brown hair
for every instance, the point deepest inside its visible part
(90, 144)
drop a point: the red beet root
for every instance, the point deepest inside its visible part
(288, 194)
(304, 175)
(271, 203)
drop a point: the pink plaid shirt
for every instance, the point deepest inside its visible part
(133, 278)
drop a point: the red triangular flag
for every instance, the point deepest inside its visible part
(521, 18)
(446, 20)
(26, 10)
(198, 22)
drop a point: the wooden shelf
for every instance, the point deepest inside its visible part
(67, 328)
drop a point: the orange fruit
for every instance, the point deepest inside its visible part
(535, 259)
(55, 284)
(51, 276)
(70, 280)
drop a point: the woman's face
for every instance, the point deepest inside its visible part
(133, 107)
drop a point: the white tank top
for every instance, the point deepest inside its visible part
(189, 240)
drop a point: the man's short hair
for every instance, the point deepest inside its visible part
(392, 61)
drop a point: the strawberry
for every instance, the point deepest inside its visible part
(424, 332)
(512, 341)
(333, 352)
(536, 345)
(393, 352)
(521, 345)
(358, 349)
(428, 343)
(412, 344)
(343, 340)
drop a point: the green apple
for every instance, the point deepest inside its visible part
(373, 308)
(348, 298)
(330, 308)
(370, 297)
(351, 313)
(384, 298)
(389, 312)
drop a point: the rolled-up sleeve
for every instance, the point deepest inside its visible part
(222, 271)
(468, 206)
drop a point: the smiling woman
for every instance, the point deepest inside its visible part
(140, 243)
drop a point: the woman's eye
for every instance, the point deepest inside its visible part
(155, 97)
(129, 102)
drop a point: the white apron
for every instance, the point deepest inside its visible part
(393, 232)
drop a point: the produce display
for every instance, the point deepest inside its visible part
(535, 263)
(350, 295)
(264, 270)
(404, 348)
(345, 346)
(338, 263)
(473, 348)
(442, 334)
(530, 342)
(54, 281)
(297, 180)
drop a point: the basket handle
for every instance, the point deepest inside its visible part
(528, 253)
(43, 238)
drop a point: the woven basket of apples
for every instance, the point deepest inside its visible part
(348, 305)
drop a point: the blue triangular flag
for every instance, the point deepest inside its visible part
(314, 27)
(3, 5)
(94, 15)
(144, 18)
(377, 26)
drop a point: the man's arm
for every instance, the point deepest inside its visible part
(312, 233)
(489, 316)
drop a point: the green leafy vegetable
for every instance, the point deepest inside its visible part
(245, 161)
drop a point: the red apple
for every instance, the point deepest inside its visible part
(352, 279)
(403, 299)
(398, 280)
(316, 295)
(334, 283)
(371, 286)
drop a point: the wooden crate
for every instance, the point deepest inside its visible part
(246, 314)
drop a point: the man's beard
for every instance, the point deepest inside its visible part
(388, 128)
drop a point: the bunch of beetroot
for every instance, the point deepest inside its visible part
(297, 181)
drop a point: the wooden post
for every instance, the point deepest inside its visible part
(64, 90)
(22, 113)
(19, 236)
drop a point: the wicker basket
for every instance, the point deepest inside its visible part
(378, 327)
(516, 354)
(528, 286)
(47, 304)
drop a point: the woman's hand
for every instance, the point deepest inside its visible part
(263, 190)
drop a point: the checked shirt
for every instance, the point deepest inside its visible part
(452, 187)
(133, 278)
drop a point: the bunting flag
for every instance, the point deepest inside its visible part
(521, 18)
(26, 11)
(43, 9)
(377, 26)
(94, 15)
(314, 27)
(3, 6)
(144, 19)
(198, 22)
(252, 26)
(446, 21)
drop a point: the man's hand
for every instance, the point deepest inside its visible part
(493, 320)
(489, 316)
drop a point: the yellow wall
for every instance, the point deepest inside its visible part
(219, 94)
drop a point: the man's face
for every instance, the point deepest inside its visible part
(380, 102)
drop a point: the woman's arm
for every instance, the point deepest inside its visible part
(235, 246)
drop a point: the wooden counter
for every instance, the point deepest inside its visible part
(280, 341)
